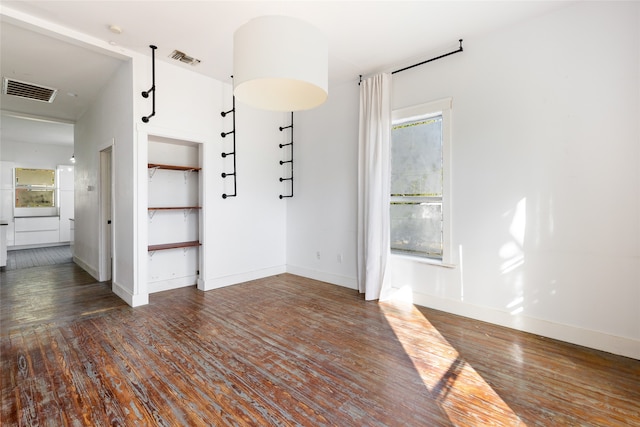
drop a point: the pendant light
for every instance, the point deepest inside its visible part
(280, 64)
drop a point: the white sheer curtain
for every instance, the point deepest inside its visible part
(374, 184)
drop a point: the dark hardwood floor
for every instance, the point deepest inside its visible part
(284, 351)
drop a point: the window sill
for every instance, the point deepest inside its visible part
(421, 260)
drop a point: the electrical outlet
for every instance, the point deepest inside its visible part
(339, 257)
(318, 255)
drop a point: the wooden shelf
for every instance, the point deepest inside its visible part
(173, 167)
(176, 245)
(173, 208)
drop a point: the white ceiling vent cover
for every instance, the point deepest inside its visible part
(183, 57)
(28, 90)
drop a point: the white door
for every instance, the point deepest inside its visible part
(106, 235)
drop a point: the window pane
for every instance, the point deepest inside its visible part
(26, 198)
(416, 228)
(35, 177)
(416, 158)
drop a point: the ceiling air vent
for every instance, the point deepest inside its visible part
(28, 90)
(183, 57)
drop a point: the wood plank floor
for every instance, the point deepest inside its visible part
(284, 351)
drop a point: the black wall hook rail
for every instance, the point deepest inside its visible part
(290, 161)
(231, 153)
(152, 91)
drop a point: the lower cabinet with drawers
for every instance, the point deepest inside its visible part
(37, 230)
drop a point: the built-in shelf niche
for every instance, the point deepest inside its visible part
(173, 214)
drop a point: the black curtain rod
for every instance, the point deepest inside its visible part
(429, 60)
(424, 62)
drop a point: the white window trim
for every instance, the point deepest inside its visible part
(416, 112)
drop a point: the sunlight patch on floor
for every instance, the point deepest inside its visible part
(462, 393)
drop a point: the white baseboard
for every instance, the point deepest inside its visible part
(86, 267)
(35, 246)
(175, 283)
(123, 293)
(334, 279)
(128, 297)
(593, 339)
(234, 279)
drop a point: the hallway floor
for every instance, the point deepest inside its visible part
(37, 257)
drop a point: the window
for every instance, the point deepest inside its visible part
(35, 188)
(420, 181)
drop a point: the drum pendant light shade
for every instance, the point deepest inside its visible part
(280, 64)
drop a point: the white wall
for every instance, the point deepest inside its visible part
(321, 217)
(247, 232)
(546, 215)
(40, 156)
(108, 122)
(242, 237)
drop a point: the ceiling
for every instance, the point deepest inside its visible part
(364, 37)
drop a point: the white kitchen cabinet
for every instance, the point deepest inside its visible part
(37, 230)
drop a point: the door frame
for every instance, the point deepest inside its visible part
(105, 215)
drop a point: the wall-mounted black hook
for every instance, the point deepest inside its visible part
(152, 91)
(231, 153)
(290, 161)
